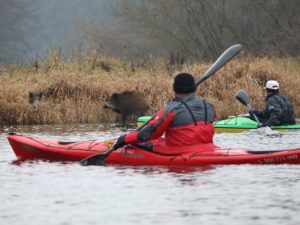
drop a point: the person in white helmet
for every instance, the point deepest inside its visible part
(278, 110)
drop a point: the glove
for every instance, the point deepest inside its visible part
(254, 112)
(259, 125)
(120, 142)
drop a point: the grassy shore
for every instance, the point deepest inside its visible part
(83, 85)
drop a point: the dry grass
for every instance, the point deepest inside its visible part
(82, 87)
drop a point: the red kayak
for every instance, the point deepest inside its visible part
(36, 148)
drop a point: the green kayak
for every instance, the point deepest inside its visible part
(233, 124)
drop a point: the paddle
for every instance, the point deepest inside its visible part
(243, 98)
(99, 159)
(226, 56)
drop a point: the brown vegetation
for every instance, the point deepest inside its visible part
(80, 88)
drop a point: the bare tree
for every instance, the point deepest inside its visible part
(200, 28)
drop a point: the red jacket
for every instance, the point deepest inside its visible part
(186, 122)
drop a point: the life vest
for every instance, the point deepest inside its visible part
(279, 111)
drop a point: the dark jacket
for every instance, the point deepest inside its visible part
(187, 121)
(278, 111)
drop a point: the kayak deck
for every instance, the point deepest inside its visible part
(35, 148)
(239, 124)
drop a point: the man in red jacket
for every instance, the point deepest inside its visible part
(187, 122)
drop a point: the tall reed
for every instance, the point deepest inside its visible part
(81, 87)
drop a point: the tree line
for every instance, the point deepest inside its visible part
(198, 29)
(180, 30)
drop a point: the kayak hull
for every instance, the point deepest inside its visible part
(35, 148)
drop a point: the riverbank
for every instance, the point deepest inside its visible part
(82, 86)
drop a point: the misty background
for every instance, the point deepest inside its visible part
(29, 28)
(134, 29)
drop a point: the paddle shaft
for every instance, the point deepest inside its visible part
(255, 117)
(99, 158)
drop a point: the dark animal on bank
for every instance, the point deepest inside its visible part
(35, 98)
(127, 103)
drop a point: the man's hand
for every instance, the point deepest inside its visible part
(254, 112)
(120, 142)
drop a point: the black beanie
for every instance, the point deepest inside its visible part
(184, 83)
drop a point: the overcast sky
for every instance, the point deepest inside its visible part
(56, 19)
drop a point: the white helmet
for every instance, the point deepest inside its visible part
(272, 84)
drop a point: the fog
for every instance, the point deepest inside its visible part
(51, 24)
(58, 20)
(131, 29)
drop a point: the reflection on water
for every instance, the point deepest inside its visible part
(41, 192)
(150, 170)
(26, 162)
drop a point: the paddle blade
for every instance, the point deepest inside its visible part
(96, 160)
(242, 96)
(221, 61)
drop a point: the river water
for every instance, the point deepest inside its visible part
(54, 193)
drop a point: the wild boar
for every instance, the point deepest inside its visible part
(35, 98)
(127, 103)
